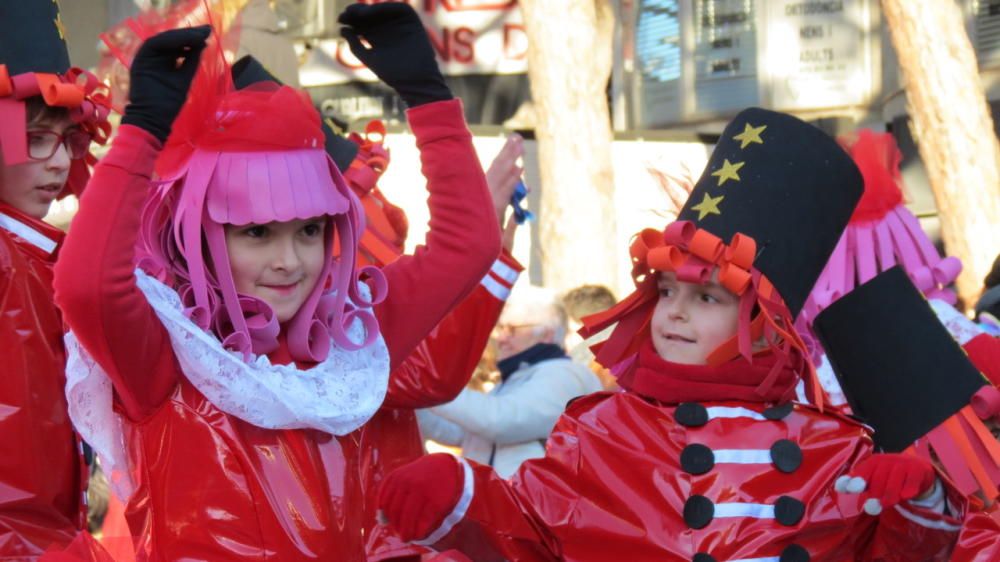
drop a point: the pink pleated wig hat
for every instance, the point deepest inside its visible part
(254, 155)
(882, 233)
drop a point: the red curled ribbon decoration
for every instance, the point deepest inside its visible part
(692, 253)
(78, 90)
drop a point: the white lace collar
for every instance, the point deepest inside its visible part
(336, 396)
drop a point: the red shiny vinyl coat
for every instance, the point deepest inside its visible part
(41, 471)
(434, 373)
(612, 487)
(979, 540)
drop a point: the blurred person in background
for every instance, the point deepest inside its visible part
(510, 424)
(578, 303)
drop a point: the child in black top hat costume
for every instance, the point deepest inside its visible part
(704, 457)
(49, 114)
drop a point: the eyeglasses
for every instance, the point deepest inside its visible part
(43, 144)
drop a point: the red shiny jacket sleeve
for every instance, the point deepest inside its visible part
(95, 279)
(979, 540)
(520, 519)
(461, 244)
(40, 478)
(502, 523)
(440, 366)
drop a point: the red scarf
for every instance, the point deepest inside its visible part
(738, 379)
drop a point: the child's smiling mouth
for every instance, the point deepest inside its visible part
(670, 336)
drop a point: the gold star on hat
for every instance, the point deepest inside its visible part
(728, 171)
(60, 27)
(750, 135)
(708, 206)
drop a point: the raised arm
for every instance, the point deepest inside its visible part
(94, 277)
(440, 366)
(464, 238)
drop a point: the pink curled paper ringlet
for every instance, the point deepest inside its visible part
(986, 402)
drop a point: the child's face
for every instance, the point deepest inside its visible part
(690, 321)
(32, 186)
(278, 262)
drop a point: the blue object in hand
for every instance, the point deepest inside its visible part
(520, 213)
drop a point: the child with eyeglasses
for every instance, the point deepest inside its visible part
(49, 114)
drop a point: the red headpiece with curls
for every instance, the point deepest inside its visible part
(76, 90)
(692, 254)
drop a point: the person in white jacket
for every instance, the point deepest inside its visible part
(510, 424)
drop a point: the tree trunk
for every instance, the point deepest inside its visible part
(569, 63)
(953, 128)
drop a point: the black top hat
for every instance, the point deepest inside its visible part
(32, 37)
(784, 183)
(901, 370)
(249, 70)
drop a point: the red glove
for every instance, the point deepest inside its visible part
(415, 498)
(887, 479)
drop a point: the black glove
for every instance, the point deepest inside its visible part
(159, 87)
(400, 55)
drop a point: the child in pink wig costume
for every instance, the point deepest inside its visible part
(226, 378)
(883, 233)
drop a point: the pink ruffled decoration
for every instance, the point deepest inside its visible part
(986, 402)
(261, 187)
(869, 248)
(882, 233)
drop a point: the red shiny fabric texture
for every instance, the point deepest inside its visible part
(210, 486)
(434, 373)
(213, 487)
(979, 540)
(84, 548)
(612, 487)
(41, 478)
